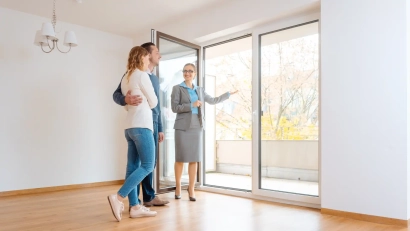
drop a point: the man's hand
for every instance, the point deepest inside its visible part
(133, 100)
(160, 137)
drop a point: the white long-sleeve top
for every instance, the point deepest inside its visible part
(139, 116)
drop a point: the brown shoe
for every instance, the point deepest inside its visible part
(156, 202)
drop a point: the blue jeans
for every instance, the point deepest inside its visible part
(148, 191)
(141, 160)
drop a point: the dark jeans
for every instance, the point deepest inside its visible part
(148, 192)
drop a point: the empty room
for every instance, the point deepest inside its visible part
(205, 115)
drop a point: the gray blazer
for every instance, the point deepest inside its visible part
(181, 104)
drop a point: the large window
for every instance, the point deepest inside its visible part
(289, 61)
(228, 66)
(265, 138)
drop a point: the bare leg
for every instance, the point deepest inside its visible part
(192, 169)
(178, 167)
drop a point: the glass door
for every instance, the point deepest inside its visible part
(175, 54)
(265, 139)
(228, 131)
(286, 155)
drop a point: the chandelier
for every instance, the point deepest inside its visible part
(48, 33)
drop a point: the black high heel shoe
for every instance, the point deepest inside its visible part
(191, 198)
(177, 197)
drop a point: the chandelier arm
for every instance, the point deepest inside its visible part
(41, 45)
(53, 38)
(63, 51)
(49, 43)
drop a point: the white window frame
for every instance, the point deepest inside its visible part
(257, 193)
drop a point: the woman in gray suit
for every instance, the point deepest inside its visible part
(186, 101)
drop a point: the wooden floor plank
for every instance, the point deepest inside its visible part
(87, 209)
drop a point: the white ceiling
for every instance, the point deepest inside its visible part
(123, 17)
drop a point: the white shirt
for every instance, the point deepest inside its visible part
(139, 116)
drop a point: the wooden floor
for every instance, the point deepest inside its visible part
(88, 209)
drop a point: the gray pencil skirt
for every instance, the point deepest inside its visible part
(188, 144)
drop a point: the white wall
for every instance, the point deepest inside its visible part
(408, 106)
(364, 107)
(58, 122)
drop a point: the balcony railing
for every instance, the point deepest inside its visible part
(283, 159)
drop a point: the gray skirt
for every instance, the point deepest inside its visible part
(188, 144)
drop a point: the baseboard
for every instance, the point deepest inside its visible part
(365, 217)
(59, 188)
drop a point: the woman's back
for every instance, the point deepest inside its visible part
(139, 116)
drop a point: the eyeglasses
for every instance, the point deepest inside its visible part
(188, 71)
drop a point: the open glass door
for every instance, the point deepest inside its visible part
(175, 54)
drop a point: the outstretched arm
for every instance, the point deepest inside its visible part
(214, 100)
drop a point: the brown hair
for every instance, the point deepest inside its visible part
(135, 60)
(192, 65)
(148, 46)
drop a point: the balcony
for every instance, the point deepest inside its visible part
(286, 165)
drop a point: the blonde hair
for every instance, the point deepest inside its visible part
(192, 65)
(135, 60)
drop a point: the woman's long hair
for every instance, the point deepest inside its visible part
(135, 60)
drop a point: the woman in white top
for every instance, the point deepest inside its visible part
(138, 133)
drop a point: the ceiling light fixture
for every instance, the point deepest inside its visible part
(48, 33)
